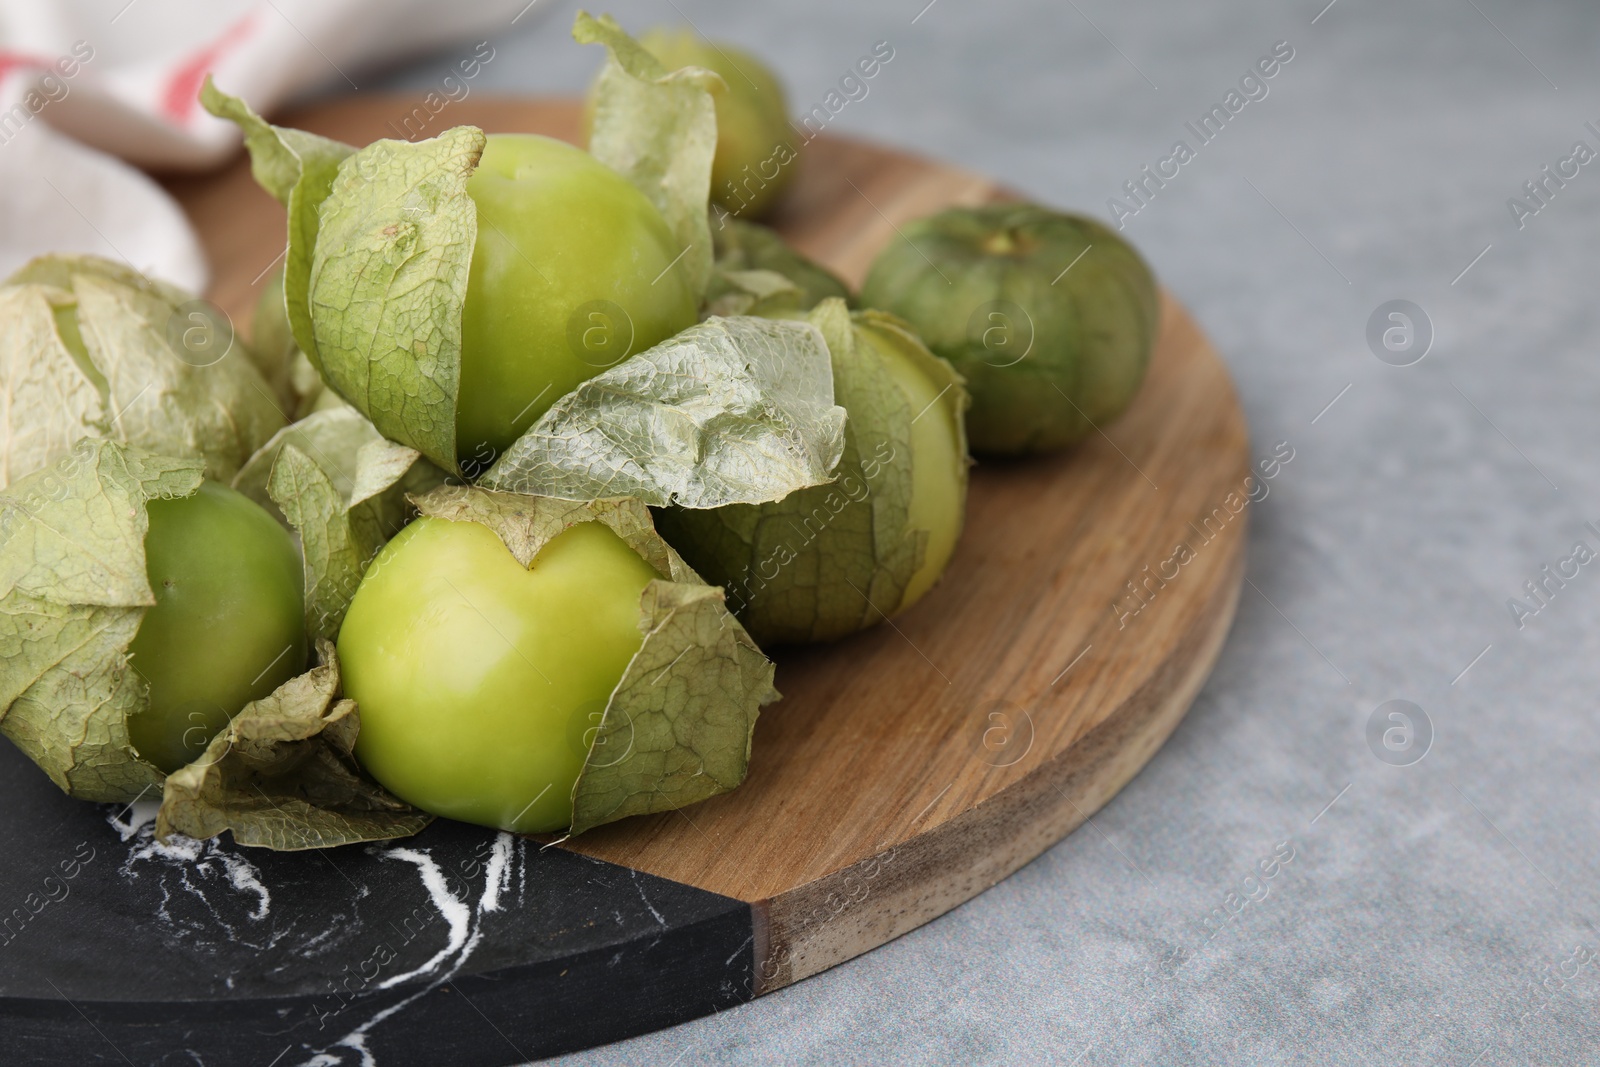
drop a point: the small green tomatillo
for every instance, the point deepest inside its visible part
(1050, 317)
(228, 623)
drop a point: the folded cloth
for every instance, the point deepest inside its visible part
(83, 81)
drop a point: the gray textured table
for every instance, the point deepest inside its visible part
(1435, 911)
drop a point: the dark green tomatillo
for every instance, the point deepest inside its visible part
(749, 246)
(832, 559)
(1050, 317)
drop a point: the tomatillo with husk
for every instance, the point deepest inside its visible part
(537, 665)
(1050, 317)
(91, 347)
(573, 271)
(452, 289)
(228, 623)
(832, 559)
(142, 608)
(756, 149)
(480, 681)
(749, 246)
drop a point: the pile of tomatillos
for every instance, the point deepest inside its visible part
(533, 450)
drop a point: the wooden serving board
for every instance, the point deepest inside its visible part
(906, 769)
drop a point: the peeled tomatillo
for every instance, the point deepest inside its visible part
(228, 625)
(573, 270)
(480, 683)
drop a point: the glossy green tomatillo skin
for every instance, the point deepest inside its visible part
(480, 682)
(228, 625)
(939, 457)
(1050, 317)
(573, 270)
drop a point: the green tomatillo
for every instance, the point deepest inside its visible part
(1050, 317)
(832, 559)
(534, 665)
(573, 270)
(155, 639)
(227, 626)
(481, 705)
(453, 289)
(755, 144)
(146, 608)
(744, 249)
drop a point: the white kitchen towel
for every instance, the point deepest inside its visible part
(84, 81)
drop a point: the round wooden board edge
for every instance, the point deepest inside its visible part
(850, 911)
(910, 884)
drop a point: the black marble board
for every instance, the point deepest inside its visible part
(459, 946)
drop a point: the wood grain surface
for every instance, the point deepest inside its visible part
(912, 766)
